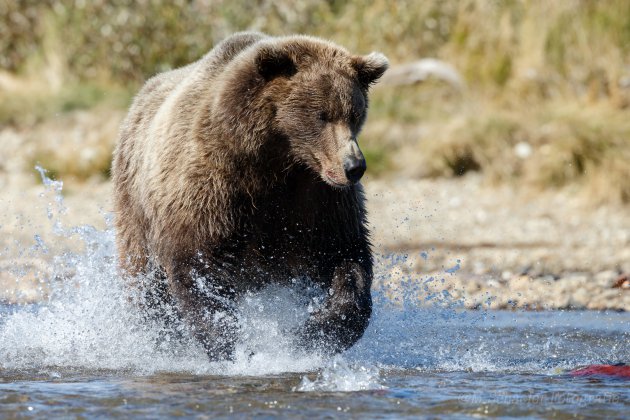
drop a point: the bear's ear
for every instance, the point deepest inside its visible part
(272, 62)
(370, 67)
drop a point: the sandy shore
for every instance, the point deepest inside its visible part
(445, 242)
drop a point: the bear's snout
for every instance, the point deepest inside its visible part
(354, 164)
(354, 168)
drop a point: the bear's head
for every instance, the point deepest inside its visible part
(320, 99)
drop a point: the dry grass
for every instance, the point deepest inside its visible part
(75, 147)
(546, 103)
(556, 145)
(25, 102)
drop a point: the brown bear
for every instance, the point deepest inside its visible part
(241, 170)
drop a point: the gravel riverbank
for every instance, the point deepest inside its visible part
(447, 242)
(499, 247)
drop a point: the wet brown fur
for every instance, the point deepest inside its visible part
(230, 170)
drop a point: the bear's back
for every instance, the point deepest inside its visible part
(172, 97)
(161, 117)
(158, 88)
(225, 51)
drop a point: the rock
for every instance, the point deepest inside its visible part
(520, 283)
(557, 301)
(421, 70)
(579, 299)
(605, 279)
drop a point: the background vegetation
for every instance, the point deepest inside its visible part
(546, 101)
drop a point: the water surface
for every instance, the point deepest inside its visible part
(410, 363)
(86, 351)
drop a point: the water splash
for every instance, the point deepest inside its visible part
(339, 375)
(89, 324)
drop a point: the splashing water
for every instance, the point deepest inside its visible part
(339, 375)
(89, 325)
(89, 322)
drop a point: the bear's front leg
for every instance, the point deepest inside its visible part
(345, 314)
(206, 309)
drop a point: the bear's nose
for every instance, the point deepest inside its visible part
(354, 168)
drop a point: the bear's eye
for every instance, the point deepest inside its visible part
(323, 116)
(355, 117)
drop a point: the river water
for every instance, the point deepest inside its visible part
(86, 352)
(72, 361)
